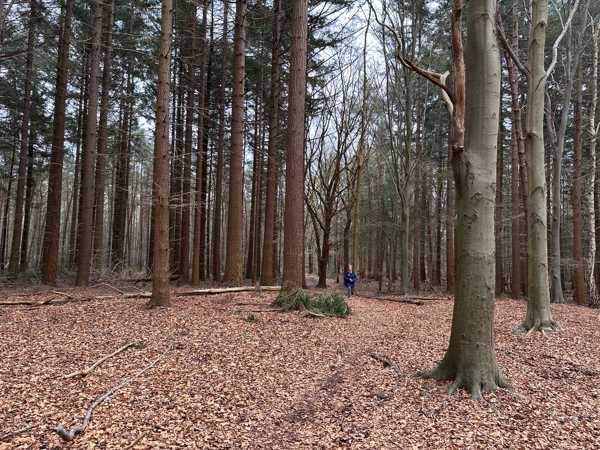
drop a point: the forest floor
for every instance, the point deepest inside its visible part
(232, 373)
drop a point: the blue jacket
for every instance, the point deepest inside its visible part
(349, 279)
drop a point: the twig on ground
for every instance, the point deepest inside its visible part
(386, 363)
(13, 434)
(136, 441)
(85, 372)
(75, 431)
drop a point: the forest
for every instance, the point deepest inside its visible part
(299, 224)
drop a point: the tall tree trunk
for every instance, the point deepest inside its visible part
(590, 261)
(234, 258)
(15, 249)
(53, 209)
(197, 274)
(121, 195)
(100, 181)
(160, 192)
(456, 134)
(498, 221)
(86, 194)
(4, 231)
(269, 241)
(30, 188)
(470, 359)
(293, 260)
(579, 281)
(539, 315)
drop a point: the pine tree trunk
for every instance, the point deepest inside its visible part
(160, 192)
(15, 250)
(53, 209)
(100, 182)
(470, 359)
(234, 257)
(218, 210)
(86, 195)
(293, 260)
(539, 315)
(269, 241)
(498, 222)
(30, 188)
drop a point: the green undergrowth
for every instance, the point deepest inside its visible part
(328, 304)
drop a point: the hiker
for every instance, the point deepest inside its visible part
(350, 280)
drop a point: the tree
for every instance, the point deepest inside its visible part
(160, 192)
(233, 258)
(15, 251)
(268, 264)
(539, 315)
(470, 359)
(53, 209)
(293, 250)
(86, 193)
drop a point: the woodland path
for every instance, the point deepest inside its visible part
(233, 377)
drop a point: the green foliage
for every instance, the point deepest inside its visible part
(251, 318)
(329, 304)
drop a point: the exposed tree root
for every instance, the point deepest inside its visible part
(474, 382)
(75, 431)
(86, 372)
(386, 363)
(541, 326)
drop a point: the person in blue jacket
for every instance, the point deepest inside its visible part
(350, 280)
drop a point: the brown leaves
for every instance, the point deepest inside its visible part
(286, 381)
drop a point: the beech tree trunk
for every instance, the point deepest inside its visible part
(539, 315)
(234, 257)
(590, 259)
(160, 191)
(51, 244)
(15, 249)
(86, 194)
(470, 359)
(579, 294)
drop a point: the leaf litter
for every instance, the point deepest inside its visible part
(283, 380)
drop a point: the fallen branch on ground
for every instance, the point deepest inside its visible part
(190, 293)
(409, 301)
(136, 442)
(386, 363)
(15, 433)
(85, 372)
(75, 431)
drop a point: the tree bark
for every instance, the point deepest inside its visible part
(579, 293)
(218, 210)
(470, 359)
(160, 192)
(539, 315)
(293, 260)
(54, 202)
(590, 260)
(100, 182)
(15, 250)
(86, 194)
(234, 257)
(269, 241)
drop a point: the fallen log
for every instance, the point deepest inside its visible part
(75, 431)
(85, 372)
